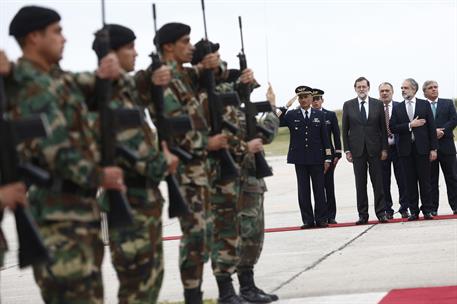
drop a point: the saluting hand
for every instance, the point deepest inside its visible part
(5, 65)
(271, 96)
(161, 76)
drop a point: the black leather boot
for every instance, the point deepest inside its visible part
(227, 293)
(193, 296)
(250, 292)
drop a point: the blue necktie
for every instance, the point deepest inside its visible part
(434, 108)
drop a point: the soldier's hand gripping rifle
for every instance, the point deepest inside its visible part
(166, 128)
(111, 122)
(12, 133)
(216, 103)
(251, 109)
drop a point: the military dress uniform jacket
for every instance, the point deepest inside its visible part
(333, 130)
(309, 142)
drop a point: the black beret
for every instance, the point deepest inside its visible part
(170, 33)
(303, 90)
(202, 48)
(32, 18)
(118, 36)
(317, 92)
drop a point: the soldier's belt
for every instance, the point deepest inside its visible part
(69, 187)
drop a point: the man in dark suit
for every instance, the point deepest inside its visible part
(333, 130)
(445, 122)
(365, 145)
(386, 92)
(309, 150)
(412, 120)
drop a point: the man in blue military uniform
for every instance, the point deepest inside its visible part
(309, 147)
(331, 121)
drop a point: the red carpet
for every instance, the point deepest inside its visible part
(349, 224)
(431, 295)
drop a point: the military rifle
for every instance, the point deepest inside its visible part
(13, 132)
(113, 121)
(216, 103)
(251, 109)
(166, 128)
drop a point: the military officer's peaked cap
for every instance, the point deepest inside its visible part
(317, 92)
(32, 18)
(302, 90)
(203, 48)
(170, 33)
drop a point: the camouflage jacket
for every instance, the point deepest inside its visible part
(69, 152)
(181, 98)
(142, 141)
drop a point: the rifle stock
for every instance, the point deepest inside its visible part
(31, 247)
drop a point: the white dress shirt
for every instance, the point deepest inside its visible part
(365, 104)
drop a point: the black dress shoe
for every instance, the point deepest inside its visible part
(405, 214)
(307, 226)
(333, 222)
(389, 216)
(434, 213)
(383, 219)
(413, 217)
(428, 216)
(322, 224)
(362, 221)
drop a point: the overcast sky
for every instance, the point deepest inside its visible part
(322, 44)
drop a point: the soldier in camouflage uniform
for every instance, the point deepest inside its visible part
(66, 212)
(223, 224)
(181, 98)
(251, 213)
(136, 251)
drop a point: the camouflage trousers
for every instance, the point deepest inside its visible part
(223, 227)
(193, 244)
(74, 275)
(137, 252)
(252, 225)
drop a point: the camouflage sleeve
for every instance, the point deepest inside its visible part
(271, 122)
(59, 152)
(195, 140)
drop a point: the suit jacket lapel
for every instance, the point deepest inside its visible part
(355, 104)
